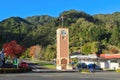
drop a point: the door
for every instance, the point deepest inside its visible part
(64, 63)
(107, 64)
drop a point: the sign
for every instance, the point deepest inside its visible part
(16, 62)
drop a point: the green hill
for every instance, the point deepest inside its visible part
(90, 33)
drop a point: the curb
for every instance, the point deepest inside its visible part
(52, 71)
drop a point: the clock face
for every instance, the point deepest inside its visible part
(63, 33)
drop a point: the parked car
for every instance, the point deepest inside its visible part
(94, 66)
(98, 67)
(23, 65)
(82, 65)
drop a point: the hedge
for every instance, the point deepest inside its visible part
(14, 70)
(118, 70)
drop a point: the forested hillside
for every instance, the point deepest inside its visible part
(98, 33)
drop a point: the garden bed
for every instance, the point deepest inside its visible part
(118, 70)
(14, 70)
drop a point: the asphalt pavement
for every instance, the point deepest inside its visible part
(42, 73)
(62, 76)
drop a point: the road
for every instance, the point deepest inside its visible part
(62, 76)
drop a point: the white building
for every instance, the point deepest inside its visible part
(110, 61)
(105, 61)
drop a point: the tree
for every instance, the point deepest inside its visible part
(36, 52)
(50, 53)
(95, 47)
(86, 48)
(13, 49)
(115, 37)
(26, 54)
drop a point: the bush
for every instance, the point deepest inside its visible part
(118, 70)
(14, 70)
(85, 70)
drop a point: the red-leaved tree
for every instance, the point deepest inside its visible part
(13, 49)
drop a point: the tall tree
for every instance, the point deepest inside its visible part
(13, 49)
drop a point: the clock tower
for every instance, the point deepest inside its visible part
(62, 60)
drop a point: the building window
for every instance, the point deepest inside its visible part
(64, 37)
(114, 61)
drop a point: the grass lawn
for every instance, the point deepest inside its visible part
(46, 64)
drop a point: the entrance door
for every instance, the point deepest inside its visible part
(107, 64)
(64, 63)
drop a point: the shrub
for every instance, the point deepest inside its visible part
(118, 70)
(14, 70)
(85, 70)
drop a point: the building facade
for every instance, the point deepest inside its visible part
(105, 61)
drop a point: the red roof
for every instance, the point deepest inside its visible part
(110, 56)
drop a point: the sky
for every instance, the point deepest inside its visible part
(27, 8)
